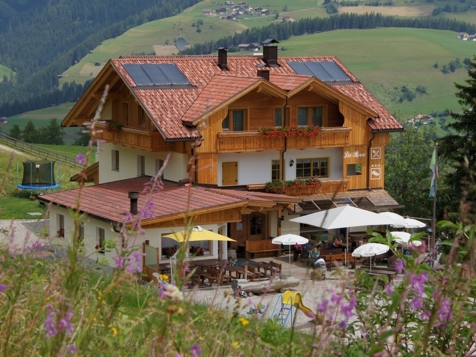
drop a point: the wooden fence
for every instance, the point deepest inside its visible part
(38, 151)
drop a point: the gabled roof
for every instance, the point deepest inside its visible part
(174, 109)
(110, 202)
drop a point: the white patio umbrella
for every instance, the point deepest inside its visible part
(344, 217)
(404, 237)
(408, 223)
(392, 215)
(289, 240)
(370, 250)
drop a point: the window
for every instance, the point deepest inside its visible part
(100, 239)
(306, 168)
(125, 114)
(60, 226)
(278, 117)
(234, 121)
(275, 170)
(354, 169)
(159, 163)
(115, 160)
(141, 117)
(140, 165)
(256, 224)
(310, 116)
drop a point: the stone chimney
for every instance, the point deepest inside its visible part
(223, 58)
(134, 197)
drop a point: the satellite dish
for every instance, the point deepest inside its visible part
(181, 43)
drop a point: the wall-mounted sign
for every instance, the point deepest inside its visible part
(375, 172)
(376, 153)
(355, 154)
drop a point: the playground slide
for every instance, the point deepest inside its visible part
(296, 300)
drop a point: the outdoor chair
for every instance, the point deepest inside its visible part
(258, 274)
(277, 267)
(249, 274)
(217, 276)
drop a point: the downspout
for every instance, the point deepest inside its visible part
(369, 169)
(285, 141)
(196, 145)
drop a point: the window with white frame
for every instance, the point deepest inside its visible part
(115, 160)
(307, 168)
(100, 239)
(310, 116)
(140, 165)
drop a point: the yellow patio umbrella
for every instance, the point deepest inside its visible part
(197, 234)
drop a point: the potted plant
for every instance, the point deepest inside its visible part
(169, 251)
(293, 186)
(113, 126)
(60, 233)
(197, 250)
(289, 131)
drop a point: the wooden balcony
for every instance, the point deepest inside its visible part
(135, 138)
(327, 186)
(249, 141)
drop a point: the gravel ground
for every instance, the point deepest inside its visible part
(21, 233)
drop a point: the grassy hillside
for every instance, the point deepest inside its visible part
(16, 203)
(386, 59)
(5, 71)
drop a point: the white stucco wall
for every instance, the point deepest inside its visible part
(175, 170)
(91, 226)
(255, 168)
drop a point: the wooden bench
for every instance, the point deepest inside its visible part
(338, 257)
(380, 271)
(261, 248)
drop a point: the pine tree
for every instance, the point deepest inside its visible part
(30, 133)
(15, 132)
(459, 152)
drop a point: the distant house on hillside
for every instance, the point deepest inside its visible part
(249, 46)
(221, 10)
(207, 12)
(3, 120)
(288, 19)
(463, 36)
(421, 119)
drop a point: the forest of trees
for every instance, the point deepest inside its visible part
(42, 40)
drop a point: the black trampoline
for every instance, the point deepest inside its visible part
(38, 175)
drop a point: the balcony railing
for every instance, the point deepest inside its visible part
(136, 138)
(327, 186)
(243, 141)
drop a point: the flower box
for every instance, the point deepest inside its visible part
(294, 187)
(289, 131)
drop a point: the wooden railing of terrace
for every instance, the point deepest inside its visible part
(252, 141)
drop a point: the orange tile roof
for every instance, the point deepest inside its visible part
(110, 201)
(174, 109)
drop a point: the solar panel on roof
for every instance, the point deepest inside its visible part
(164, 75)
(325, 71)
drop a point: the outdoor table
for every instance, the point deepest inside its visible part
(209, 263)
(263, 265)
(239, 271)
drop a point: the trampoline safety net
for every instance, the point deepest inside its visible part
(38, 174)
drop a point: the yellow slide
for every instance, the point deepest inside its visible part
(296, 300)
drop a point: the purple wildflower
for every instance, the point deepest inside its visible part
(65, 322)
(50, 323)
(347, 308)
(148, 210)
(343, 324)
(417, 282)
(444, 313)
(416, 303)
(389, 289)
(2, 288)
(71, 349)
(195, 350)
(81, 159)
(119, 261)
(138, 260)
(322, 306)
(399, 265)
